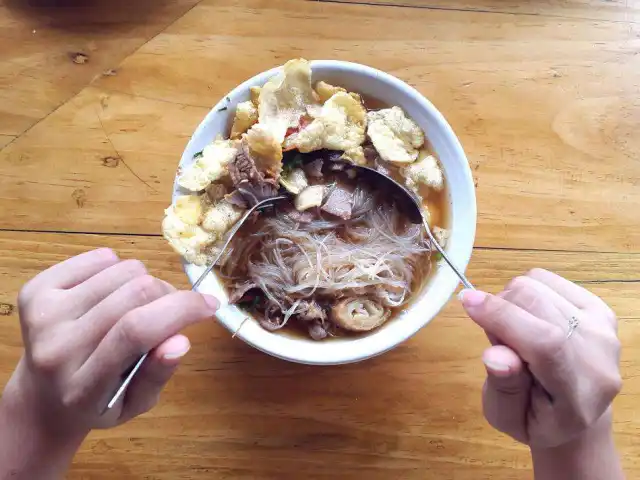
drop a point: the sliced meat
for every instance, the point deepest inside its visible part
(270, 325)
(370, 153)
(239, 291)
(244, 167)
(306, 216)
(313, 169)
(311, 311)
(339, 202)
(255, 192)
(333, 155)
(318, 330)
(247, 179)
(236, 198)
(380, 166)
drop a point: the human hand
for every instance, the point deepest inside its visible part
(543, 388)
(84, 322)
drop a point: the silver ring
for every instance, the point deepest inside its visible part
(573, 324)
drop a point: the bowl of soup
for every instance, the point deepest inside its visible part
(335, 273)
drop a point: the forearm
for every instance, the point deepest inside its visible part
(28, 451)
(592, 456)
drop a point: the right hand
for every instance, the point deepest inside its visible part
(543, 388)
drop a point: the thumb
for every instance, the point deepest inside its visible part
(144, 391)
(509, 324)
(506, 391)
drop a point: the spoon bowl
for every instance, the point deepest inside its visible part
(410, 205)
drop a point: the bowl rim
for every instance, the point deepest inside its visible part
(357, 348)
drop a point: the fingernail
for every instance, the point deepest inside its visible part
(472, 298)
(211, 301)
(496, 367)
(177, 347)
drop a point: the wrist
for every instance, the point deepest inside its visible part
(33, 443)
(591, 455)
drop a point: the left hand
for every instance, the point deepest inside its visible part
(545, 387)
(84, 322)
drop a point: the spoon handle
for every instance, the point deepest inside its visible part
(466, 283)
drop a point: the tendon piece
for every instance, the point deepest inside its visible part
(309, 197)
(305, 216)
(294, 181)
(359, 314)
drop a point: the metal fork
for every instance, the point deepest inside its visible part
(136, 367)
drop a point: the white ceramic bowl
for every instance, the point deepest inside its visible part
(439, 289)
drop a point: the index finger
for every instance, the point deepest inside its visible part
(580, 297)
(138, 332)
(72, 272)
(529, 336)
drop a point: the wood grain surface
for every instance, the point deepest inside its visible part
(545, 107)
(545, 99)
(232, 412)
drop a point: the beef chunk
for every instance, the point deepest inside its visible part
(306, 216)
(255, 192)
(318, 330)
(244, 167)
(370, 153)
(240, 291)
(237, 198)
(339, 202)
(311, 311)
(251, 186)
(216, 191)
(314, 168)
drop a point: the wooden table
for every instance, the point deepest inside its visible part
(98, 99)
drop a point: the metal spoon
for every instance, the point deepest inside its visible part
(134, 369)
(414, 212)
